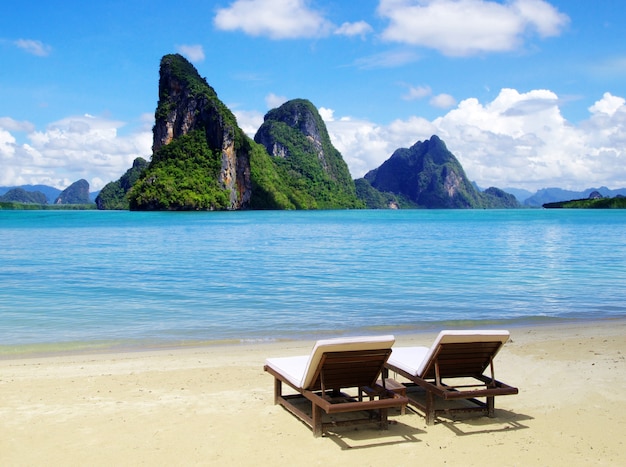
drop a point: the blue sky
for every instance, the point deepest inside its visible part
(526, 93)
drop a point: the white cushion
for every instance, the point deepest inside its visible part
(408, 358)
(300, 370)
(414, 360)
(291, 368)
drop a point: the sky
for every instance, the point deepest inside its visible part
(527, 94)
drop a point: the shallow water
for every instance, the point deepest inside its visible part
(94, 279)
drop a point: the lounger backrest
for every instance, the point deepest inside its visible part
(347, 361)
(462, 353)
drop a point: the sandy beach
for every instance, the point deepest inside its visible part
(211, 405)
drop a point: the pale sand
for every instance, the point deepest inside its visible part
(214, 405)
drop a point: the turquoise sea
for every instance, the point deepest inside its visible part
(84, 280)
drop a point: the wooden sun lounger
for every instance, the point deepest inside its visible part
(460, 356)
(323, 377)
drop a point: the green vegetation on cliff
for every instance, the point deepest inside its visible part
(197, 159)
(495, 198)
(309, 165)
(114, 194)
(20, 195)
(182, 176)
(202, 160)
(269, 190)
(375, 199)
(429, 176)
(76, 193)
(14, 206)
(177, 68)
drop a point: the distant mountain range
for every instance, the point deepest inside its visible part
(553, 195)
(51, 194)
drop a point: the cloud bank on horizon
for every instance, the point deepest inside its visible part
(431, 65)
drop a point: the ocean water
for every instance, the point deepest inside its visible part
(72, 280)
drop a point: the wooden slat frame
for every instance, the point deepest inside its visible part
(453, 361)
(338, 371)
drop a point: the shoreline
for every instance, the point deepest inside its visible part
(96, 347)
(200, 405)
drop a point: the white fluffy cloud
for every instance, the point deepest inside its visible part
(34, 47)
(7, 146)
(608, 105)
(517, 140)
(365, 145)
(417, 92)
(328, 115)
(272, 100)
(13, 125)
(70, 149)
(277, 19)
(249, 121)
(195, 53)
(359, 28)
(467, 27)
(443, 101)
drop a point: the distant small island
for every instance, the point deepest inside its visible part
(76, 197)
(14, 206)
(594, 201)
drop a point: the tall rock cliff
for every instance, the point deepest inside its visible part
(429, 175)
(76, 193)
(297, 138)
(200, 155)
(202, 160)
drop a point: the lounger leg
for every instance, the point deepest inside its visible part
(317, 421)
(384, 420)
(278, 390)
(491, 412)
(430, 408)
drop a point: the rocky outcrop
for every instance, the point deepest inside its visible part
(427, 175)
(303, 118)
(188, 104)
(76, 193)
(202, 160)
(497, 198)
(297, 138)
